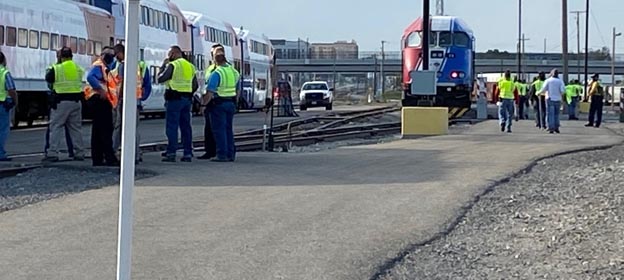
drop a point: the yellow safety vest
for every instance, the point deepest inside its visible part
(506, 89)
(571, 92)
(209, 71)
(3, 91)
(522, 88)
(539, 84)
(182, 78)
(140, 74)
(228, 76)
(67, 78)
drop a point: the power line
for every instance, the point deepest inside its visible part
(598, 28)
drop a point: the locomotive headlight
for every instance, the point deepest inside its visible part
(457, 74)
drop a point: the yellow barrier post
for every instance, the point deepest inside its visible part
(423, 121)
(584, 107)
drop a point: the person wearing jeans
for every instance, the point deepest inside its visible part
(179, 76)
(555, 89)
(7, 103)
(221, 89)
(506, 105)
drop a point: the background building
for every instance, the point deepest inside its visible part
(285, 49)
(338, 50)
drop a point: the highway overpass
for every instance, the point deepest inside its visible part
(393, 66)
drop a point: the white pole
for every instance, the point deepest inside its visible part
(126, 184)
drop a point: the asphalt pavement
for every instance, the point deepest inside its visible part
(337, 214)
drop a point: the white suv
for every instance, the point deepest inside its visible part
(316, 94)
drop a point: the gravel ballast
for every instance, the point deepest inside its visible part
(564, 219)
(52, 182)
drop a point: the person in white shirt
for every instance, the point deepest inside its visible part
(554, 89)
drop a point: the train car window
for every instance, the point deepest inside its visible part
(174, 24)
(22, 37)
(1, 35)
(160, 20)
(74, 44)
(11, 36)
(64, 41)
(82, 46)
(446, 39)
(33, 39)
(45, 40)
(154, 16)
(414, 39)
(142, 54)
(169, 24)
(54, 42)
(98, 47)
(90, 47)
(205, 33)
(183, 26)
(461, 40)
(163, 22)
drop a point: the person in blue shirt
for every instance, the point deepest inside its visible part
(102, 110)
(52, 101)
(146, 91)
(224, 99)
(7, 96)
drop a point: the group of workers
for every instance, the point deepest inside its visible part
(104, 95)
(546, 96)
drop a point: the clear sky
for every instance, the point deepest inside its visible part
(368, 22)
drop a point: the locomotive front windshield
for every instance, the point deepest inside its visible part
(440, 38)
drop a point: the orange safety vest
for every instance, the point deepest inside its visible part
(109, 83)
(119, 80)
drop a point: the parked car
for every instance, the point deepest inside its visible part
(316, 94)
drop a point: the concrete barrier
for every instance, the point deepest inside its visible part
(584, 107)
(424, 121)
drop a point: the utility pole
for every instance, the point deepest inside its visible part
(615, 35)
(564, 38)
(578, 43)
(586, 43)
(544, 45)
(519, 38)
(522, 47)
(381, 70)
(426, 30)
(439, 7)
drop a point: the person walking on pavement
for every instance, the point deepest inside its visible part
(101, 96)
(506, 101)
(210, 146)
(572, 99)
(8, 97)
(52, 102)
(143, 91)
(596, 93)
(554, 88)
(523, 101)
(179, 76)
(539, 100)
(66, 79)
(223, 88)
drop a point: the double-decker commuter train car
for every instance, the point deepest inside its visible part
(257, 53)
(31, 31)
(161, 25)
(451, 54)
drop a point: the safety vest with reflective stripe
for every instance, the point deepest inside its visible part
(67, 78)
(209, 71)
(228, 76)
(522, 88)
(182, 78)
(3, 91)
(140, 74)
(571, 92)
(506, 88)
(109, 85)
(539, 84)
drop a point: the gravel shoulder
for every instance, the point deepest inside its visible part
(560, 220)
(53, 182)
